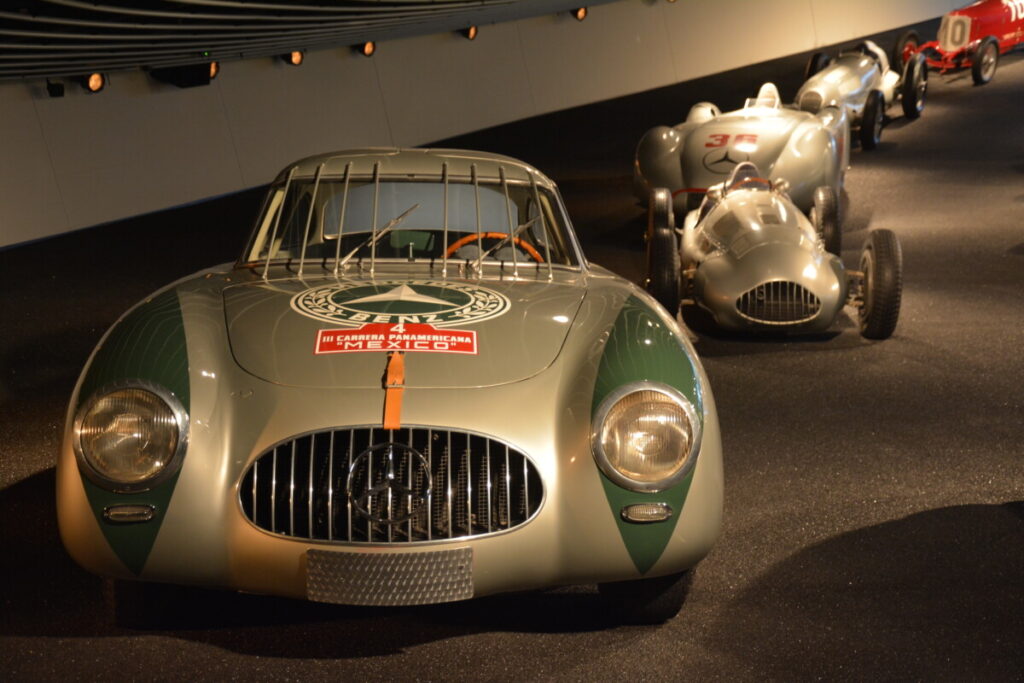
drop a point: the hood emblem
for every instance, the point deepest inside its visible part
(438, 303)
(389, 483)
(401, 293)
(723, 161)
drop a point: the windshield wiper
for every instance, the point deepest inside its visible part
(504, 240)
(375, 237)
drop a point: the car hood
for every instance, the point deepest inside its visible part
(713, 150)
(456, 333)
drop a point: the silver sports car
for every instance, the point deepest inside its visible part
(754, 262)
(808, 150)
(861, 82)
(411, 388)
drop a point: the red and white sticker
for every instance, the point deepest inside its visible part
(422, 337)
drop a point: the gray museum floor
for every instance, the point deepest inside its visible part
(874, 523)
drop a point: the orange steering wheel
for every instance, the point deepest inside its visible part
(518, 241)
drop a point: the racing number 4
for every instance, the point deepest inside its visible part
(722, 139)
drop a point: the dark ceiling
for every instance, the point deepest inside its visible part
(63, 38)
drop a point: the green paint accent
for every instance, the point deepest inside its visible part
(646, 542)
(641, 347)
(147, 344)
(131, 542)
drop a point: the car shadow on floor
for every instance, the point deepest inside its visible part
(941, 583)
(939, 590)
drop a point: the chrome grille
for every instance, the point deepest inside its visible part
(371, 485)
(778, 303)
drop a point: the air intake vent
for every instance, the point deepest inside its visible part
(778, 303)
(811, 101)
(370, 485)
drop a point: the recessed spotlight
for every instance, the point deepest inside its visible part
(366, 49)
(294, 58)
(471, 32)
(580, 13)
(214, 70)
(94, 82)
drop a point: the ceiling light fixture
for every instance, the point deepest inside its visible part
(294, 58)
(580, 13)
(471, 32)
(94, 82)
(366, 49)
(54, 88)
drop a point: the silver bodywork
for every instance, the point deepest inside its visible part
(848, 80)
(257, 388)
(808, 150)
(754, 262)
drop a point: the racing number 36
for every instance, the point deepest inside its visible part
(722, 139)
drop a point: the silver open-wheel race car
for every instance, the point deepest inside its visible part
(754, 262)
(861, 82)
(809, 150)
(411, 388)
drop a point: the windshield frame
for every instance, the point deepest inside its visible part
(275, 205)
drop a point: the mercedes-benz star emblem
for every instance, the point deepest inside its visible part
(396, 501)
(722, 161)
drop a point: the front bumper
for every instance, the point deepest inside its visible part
(205, 538)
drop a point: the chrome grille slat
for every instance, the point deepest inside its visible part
(273, 492)
(422, 460)
(778, 302)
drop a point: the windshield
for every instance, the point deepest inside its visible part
(338, 221)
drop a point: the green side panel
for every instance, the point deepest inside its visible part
(148, 344)
(131, 542)
(641, 347)
(646, 542)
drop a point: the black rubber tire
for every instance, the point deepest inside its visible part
(907, 39)
(647, 601)
(662, 251)
(825, 218)
(881, 262)
(985, 60)
(817, 62)
(871, 120)
(914, 87)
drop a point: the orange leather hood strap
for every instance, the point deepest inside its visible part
(394, 386)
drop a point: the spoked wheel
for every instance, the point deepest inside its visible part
(906, 47)
(984, 61)
(872, 119)
(881, 262)
(647, 601)
(662, 251)
(817, 62)
(914, 86)
(825, 218)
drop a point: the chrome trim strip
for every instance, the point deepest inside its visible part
(696, 422)
(181, 419)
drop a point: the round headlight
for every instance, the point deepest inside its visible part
(131, 437)
(645, 436)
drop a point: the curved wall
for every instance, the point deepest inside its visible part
(140, 146)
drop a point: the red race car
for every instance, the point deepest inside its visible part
(970, 37)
